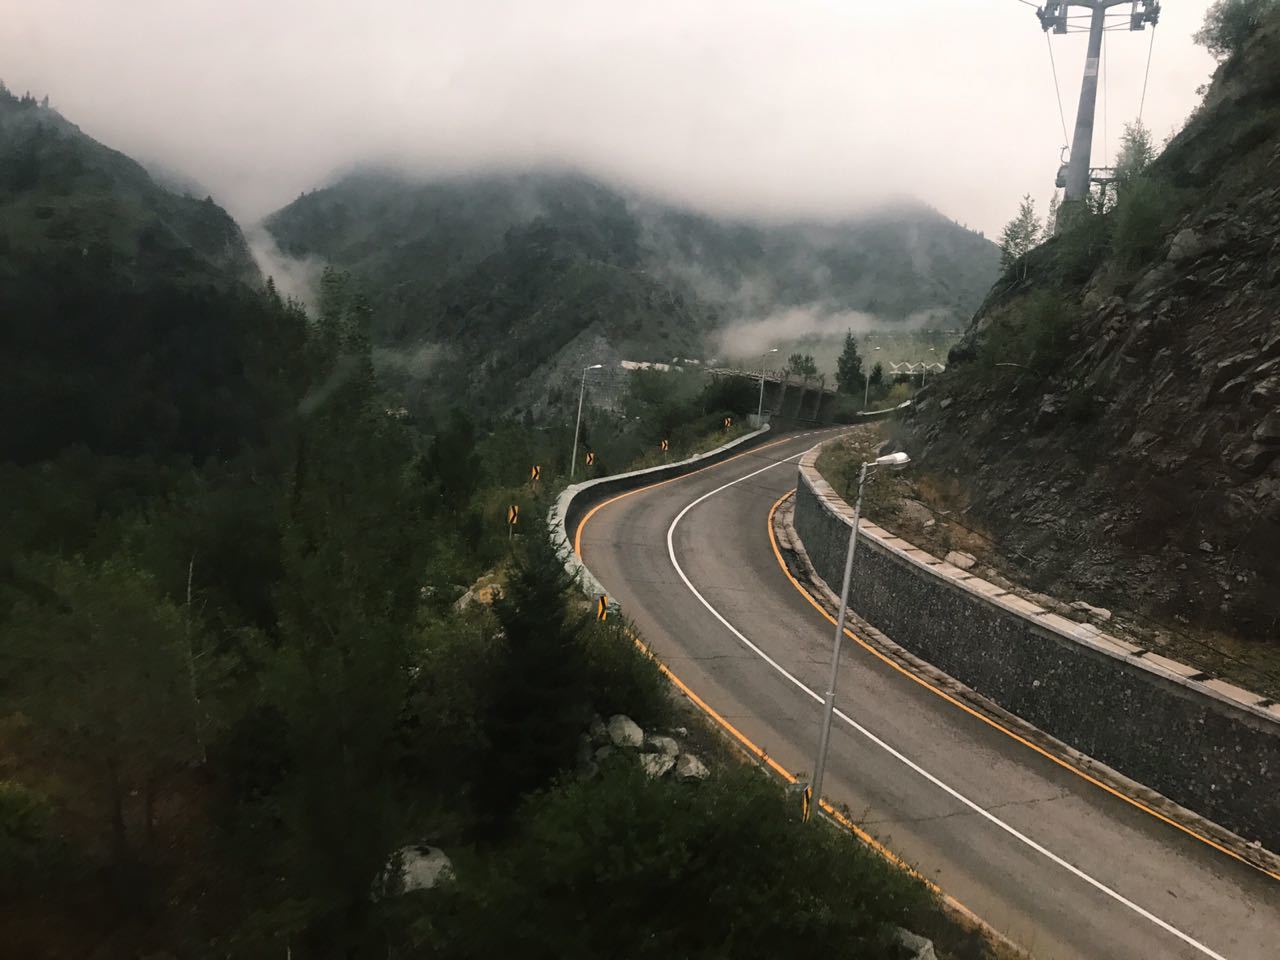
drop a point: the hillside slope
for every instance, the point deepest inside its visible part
(1113, 416)
(112, 287)
(518, 279)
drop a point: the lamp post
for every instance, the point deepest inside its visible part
(760, 408)
(896, 461)
(582, 392)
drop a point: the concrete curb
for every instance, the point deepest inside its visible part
(1240, 708)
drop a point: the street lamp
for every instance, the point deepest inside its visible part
(895, 461)
(582, 392)
(760, 409)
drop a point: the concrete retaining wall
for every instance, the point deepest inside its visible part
(1204, 744)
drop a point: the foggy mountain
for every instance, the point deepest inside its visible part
(519, 279)
(112, 287)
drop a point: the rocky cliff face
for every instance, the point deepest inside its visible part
(1113, 412)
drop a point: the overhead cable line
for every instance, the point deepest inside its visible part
(1147, 76)
(1066, 139)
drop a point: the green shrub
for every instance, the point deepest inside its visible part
(1032, 335)
(1145, 212)
(625, 866)
(24, 835)
(623, 679)
(1229, 24)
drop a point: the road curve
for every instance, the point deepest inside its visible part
(1053, 862)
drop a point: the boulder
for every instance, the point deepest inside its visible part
(1051, 405)
(664, 745)
(965, 561)
(1089, 611)
(912, 946)
(914, 510)
(689, 767)
(1268, 431)
(624, 732)
(1187, 245)
(484, 592)
(656, 765)
(415, 867)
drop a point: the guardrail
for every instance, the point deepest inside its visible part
(577, 499)
(1207, 745)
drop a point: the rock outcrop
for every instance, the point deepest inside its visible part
(1127, 446)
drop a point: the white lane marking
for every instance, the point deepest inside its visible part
(985, 814)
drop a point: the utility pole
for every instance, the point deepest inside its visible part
(582, 392)
(760, 409)
(1054, 16)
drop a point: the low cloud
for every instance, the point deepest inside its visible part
(753, 107)
(295, 277)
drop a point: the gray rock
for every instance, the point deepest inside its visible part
(689, 767)
(415, 867)
(912, 946)
(1206, 546)
(624, 732)
(603, 753)
(957, 558)
(1187, 245)
(1253, 458)
(664, 745)
(914, 510)
(1268, 431)
(1099, 614)
(656, 765)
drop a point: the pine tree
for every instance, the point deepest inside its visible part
(1136, 153)
(539, 702)
(1020, 235)
(849, 376)
(1051, 218)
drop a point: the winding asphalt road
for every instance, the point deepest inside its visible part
(1057, 864)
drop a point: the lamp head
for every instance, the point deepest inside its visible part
(895, 461)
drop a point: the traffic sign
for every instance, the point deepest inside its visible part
(806, 804)
(728, 422)
(591, 458)
(665, 446)
(602, 607)
(535, 473)
(513, 514)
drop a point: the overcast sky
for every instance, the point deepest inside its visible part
(749, 106)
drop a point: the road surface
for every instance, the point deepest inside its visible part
(1055, 863)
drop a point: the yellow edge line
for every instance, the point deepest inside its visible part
(773, 542)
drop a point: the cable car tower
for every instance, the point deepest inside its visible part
(1055, 15)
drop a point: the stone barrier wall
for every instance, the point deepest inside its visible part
(1205, 744)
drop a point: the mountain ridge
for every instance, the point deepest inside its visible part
(566, 270)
